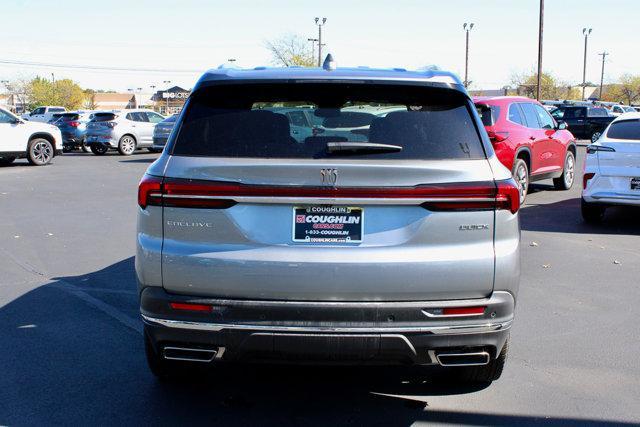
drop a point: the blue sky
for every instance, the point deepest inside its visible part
(199, 34)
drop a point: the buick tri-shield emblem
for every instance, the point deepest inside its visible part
(329, 177)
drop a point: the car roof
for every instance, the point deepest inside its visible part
(500, 99)
(627, 116)
(268, 74)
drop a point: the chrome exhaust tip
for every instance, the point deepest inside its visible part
(463, 359)
(188, 354)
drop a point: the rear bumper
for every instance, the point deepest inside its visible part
(105, 139)
(327, 332)
(608, 190)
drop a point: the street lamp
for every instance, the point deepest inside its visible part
(167, 82)
(540, 37)
(585, 32)
(320, 23)
(467, 28)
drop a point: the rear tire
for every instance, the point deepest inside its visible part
(592, 213)
(520, 174)
(85, 148)
(486, 373)
(5, 161)
(99, 149)
(127, 145)
(39, 152)
(565, 181)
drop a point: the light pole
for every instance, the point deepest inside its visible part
(313, 46)
(320, 23)
(167, 82)
(585, 32)
(540, 33)
(604, 55)
(153, 98)
(467, 28)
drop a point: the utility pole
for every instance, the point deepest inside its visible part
(153, 98)
(320, 23)
(604, 55)
(586, 32)
(167, 82)
(313, 46)
(540, 33)
(467, 28)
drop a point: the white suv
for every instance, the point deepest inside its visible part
(124, 130)
(43, 114)
(38, 142)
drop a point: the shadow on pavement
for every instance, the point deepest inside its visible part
(151, 160)
(565, 217)
(72, 353)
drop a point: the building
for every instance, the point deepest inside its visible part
(113, 101)
(14, 103)
(170, 101)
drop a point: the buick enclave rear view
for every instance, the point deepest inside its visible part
(388, 243)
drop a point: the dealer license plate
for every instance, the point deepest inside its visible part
(327, 224)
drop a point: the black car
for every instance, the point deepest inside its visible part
(584, 122)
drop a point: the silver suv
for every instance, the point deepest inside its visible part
(124, 131)
(399, 248)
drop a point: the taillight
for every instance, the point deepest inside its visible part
(585, 179)
(149, 191)
(187, 193)
(463, 311)
(191, 307)
(111, 124)
(73, 123)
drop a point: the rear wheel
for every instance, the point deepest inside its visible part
(127, 145)
(85, 147)
(99, 149)
(39, 152)
(595, 136)
(521, 176)
(4, 161)
(591, 212)
(565, 181)
(485, 373)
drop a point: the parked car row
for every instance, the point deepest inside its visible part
(37, 142)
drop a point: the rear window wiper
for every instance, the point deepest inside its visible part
(355, 147)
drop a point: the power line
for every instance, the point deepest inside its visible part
(95, 67)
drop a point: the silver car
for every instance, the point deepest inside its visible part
(124, 131)
(402, 248)
(162, 131)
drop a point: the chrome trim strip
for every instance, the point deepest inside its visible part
(449, 316)
(333, 200)
(436, 330)
(211, 353)
(484, 354)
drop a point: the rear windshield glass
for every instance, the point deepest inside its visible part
(625, 129)
(255, 120)
(70, 116)
(597, 112)
(103, 117)
(488, 114)
(56, 110)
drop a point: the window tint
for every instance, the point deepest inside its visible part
(625, 129)
(488, 113)
(38, 111)
(56, 110)
(137, 117)
(546, 122)
(530, 115)
(5, 117)
(297, 118)
(597, 112)
(153, 117)
(574, 113)
(558, 113)
(103, 117)
(70, 116)
(244, 121)
(515, 115)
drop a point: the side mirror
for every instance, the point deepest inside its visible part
(562, 125)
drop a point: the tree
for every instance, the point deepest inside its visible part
(19, 89)
(552, 88)
(290, 49)
(627, 91)
(63, 92)
(90, 99)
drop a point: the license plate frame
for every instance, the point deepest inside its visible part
(327, 224)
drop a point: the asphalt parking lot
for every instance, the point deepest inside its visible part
(71, 347)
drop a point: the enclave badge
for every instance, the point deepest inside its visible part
(329, 177)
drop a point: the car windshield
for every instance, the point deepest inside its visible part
(256, 121)
(625, 129)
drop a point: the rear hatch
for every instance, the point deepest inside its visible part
(101, 123)
(622, 165)
(251, 213)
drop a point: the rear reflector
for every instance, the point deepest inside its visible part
(191, 307)
(462, 311)
(220, 195)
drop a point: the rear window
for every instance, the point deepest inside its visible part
(70, 116)
(248, 121)
(103, 117)
(56, 110)
(488, 113)
(597, 112)
(625, 129)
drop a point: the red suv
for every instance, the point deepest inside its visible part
(529, 141)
